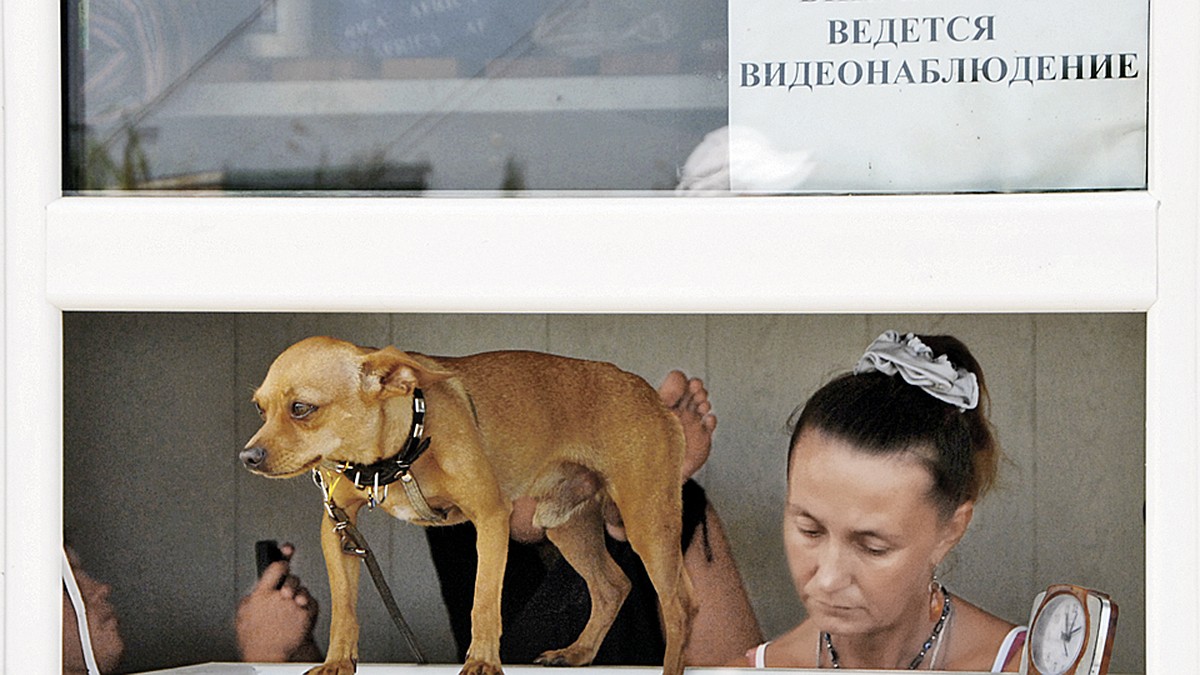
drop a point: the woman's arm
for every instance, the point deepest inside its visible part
(725, 625)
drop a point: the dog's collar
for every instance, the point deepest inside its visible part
(379, 475)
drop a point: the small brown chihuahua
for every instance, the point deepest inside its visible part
(465, 436)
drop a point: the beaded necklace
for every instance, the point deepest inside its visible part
(933, 637)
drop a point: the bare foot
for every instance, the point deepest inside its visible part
(688, 399)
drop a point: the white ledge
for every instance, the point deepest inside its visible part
(988, 253)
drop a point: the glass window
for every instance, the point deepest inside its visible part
(568, 96)
(478, 95)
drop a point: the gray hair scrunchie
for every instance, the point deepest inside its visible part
(914, 361)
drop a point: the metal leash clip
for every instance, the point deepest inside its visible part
(353, 543)
(340, 524)
(348, 545)
(326, 498)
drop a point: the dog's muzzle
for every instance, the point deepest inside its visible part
(254, 457)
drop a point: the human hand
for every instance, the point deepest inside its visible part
(274, 625)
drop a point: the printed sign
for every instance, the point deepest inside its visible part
(899, 96)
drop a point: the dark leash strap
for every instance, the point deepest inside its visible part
(374, 478)
(354, 543)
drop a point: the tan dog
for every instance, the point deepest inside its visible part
(581, 437)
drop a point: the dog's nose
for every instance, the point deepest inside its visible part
(253, 457)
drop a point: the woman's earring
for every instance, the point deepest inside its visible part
(935, 602)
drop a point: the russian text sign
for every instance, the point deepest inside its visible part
(937, 95)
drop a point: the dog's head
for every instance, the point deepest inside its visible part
(328, 400)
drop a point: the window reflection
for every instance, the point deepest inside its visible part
(403, 96)
(562, 96)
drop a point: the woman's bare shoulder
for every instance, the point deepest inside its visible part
(976, 639)
(794, 649)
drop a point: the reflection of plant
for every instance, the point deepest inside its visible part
(101, 172)
(514, 176)
(667, 176)
(368, 173)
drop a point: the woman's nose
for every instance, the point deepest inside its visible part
(832, 570)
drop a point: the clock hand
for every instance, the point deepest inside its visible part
(1066, 633)
(1071, 628)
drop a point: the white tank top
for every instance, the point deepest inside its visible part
(1002, 656)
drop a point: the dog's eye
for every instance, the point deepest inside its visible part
(300, 410)
(259, 409)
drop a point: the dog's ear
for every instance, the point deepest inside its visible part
(390, 372)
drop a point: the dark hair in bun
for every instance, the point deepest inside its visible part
(883, 414)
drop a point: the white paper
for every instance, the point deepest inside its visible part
(997, 95)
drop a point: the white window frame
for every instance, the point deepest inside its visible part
(1122, 251)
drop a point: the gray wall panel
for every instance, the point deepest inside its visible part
(153, 397)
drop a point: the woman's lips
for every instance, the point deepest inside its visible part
(832, 608)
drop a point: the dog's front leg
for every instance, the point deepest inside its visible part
(342, 657)
(483, 657)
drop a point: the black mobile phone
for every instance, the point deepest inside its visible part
(267, 551)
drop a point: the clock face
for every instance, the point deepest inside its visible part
(1058, 634)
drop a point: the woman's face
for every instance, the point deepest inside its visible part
(862, 535)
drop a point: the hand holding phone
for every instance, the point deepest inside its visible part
(267, 551)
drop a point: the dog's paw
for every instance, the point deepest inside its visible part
(571, 656)
(476, 667)
(335, 668)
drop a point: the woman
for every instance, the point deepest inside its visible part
(884, 469)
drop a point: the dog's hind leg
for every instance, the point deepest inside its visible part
(654, 534)
(581, 542)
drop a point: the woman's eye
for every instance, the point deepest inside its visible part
(300, 410)
(876, 551)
